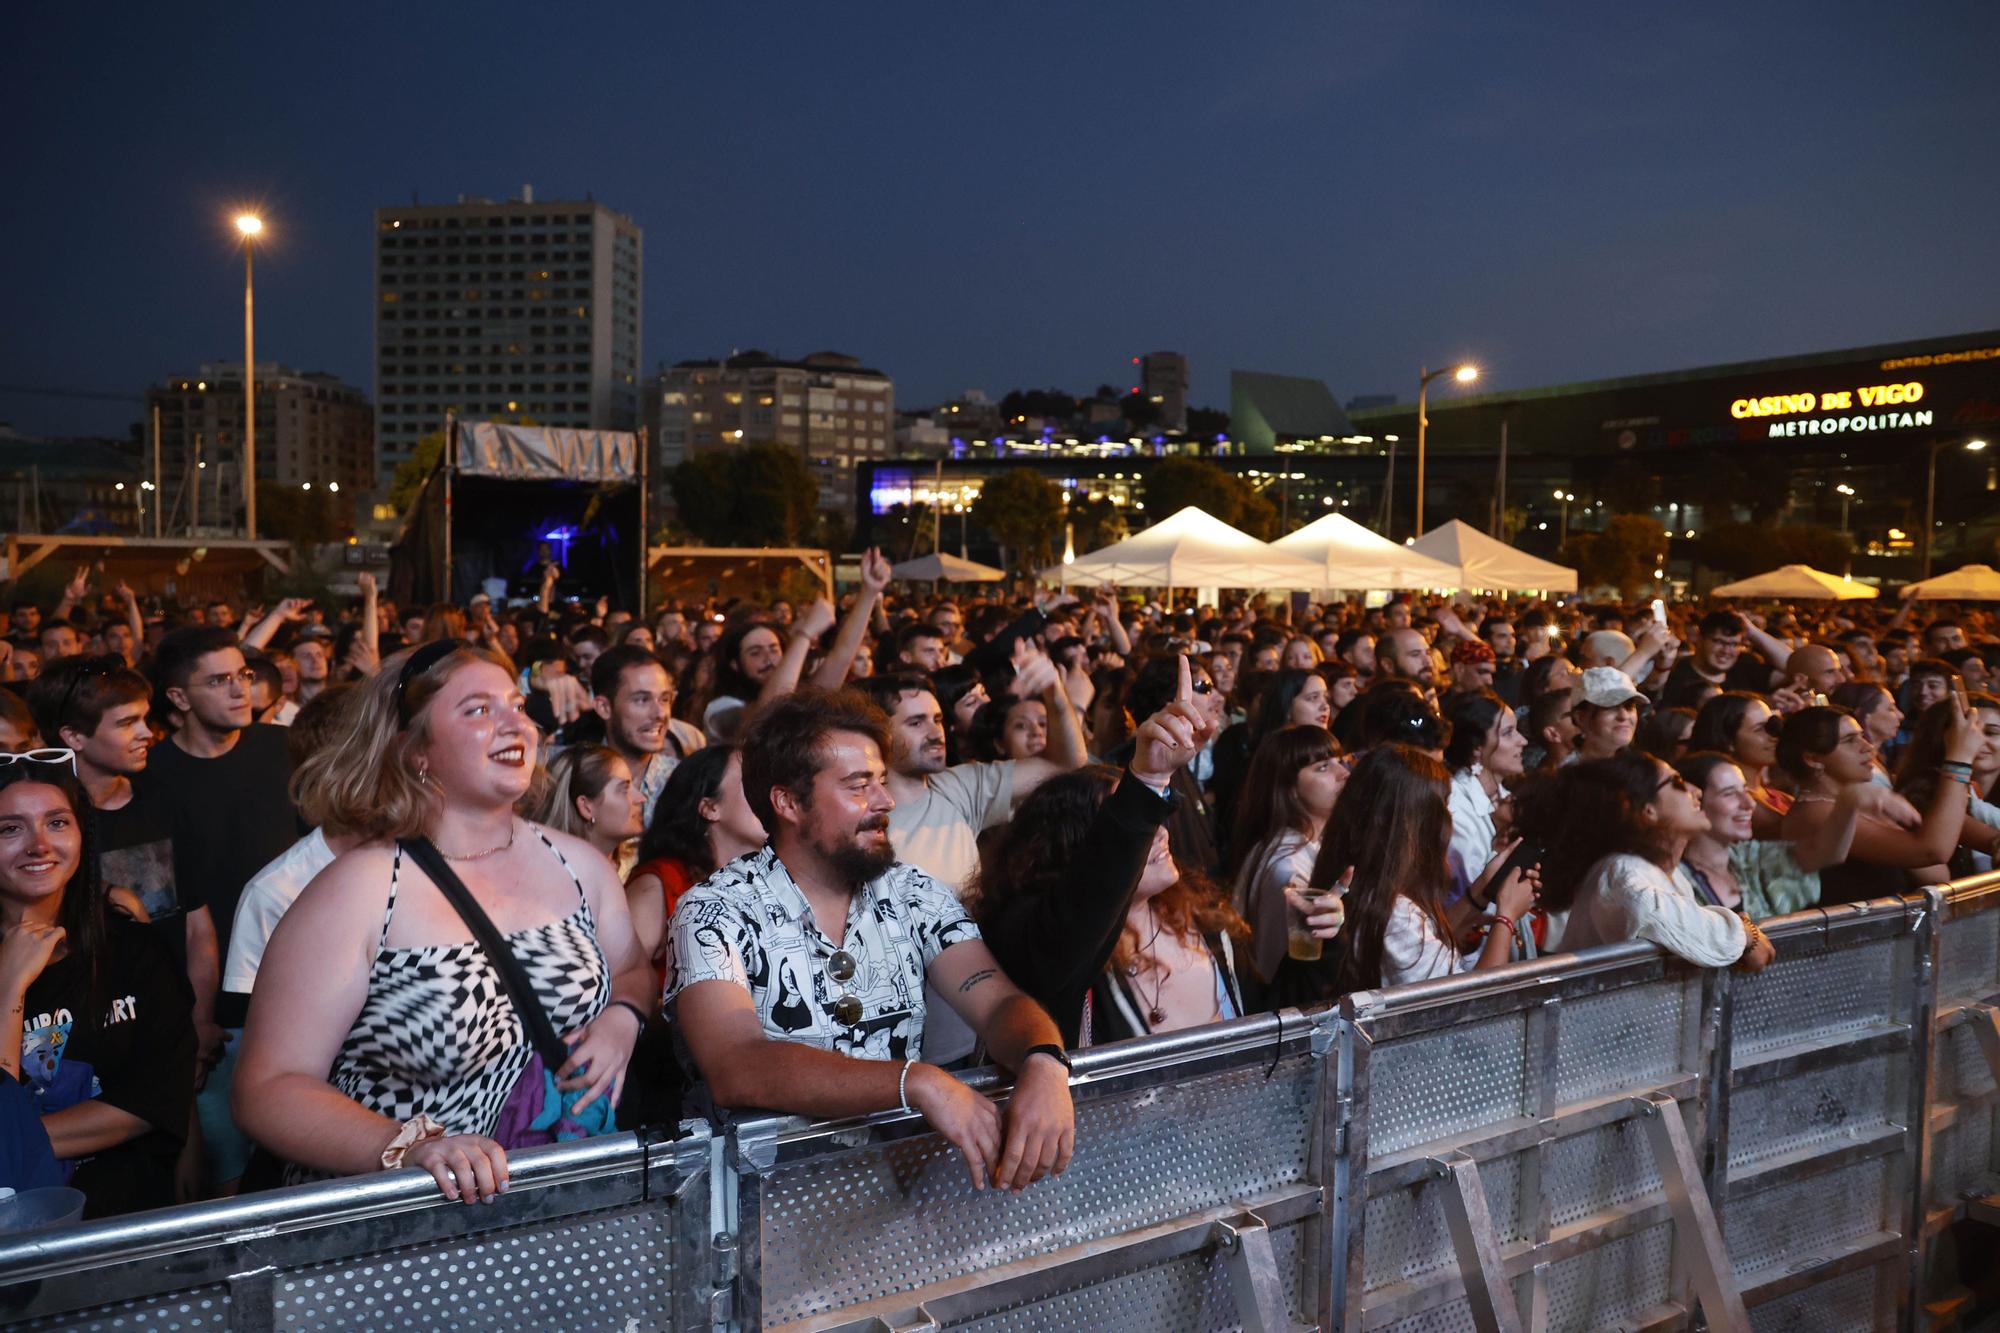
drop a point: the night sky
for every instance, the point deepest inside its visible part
(1012, 195)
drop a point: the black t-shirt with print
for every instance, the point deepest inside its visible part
(136, 1052)
(135, 851)
(229, 817)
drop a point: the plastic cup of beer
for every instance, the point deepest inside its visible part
(1300, 942)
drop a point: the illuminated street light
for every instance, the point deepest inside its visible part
(1930, 494)
(1464, 373)
(250, 227)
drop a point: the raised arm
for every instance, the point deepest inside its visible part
(291, 608)
(133, 619)
(832, 673)
(816, 620)
(371, 625)
(1036, 675)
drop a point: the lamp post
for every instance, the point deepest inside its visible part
(1464, 374)
(1930, 495)
(250, 226)
(1562, 538)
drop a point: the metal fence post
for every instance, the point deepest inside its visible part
(1694, 1218)
(1477, 1247)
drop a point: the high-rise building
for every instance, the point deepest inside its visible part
(1164, 376)
(517, 309)
(312, 428)
(834, 410)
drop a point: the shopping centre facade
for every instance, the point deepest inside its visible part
(1772, 440)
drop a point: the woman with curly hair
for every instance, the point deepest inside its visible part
(1081, 903)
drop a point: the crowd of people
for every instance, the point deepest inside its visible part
(310, 891)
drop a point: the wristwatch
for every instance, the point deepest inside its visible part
(1054, 1052)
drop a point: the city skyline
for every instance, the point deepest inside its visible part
(971, 203)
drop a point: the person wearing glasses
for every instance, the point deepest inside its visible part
(94, 1018)
(798, 972)
(381, 1034)
(223, 782)
(1615, 831)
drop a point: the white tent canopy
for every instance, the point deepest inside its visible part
(1972, 583)
(1484, 562)
(1798, 583)
(941, 567)
(1192, 549)
(1352, 557)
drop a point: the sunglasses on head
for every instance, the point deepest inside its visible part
(49, 755)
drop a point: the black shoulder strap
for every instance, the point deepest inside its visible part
(527, 1004)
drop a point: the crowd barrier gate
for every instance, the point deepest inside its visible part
(1610, 1139)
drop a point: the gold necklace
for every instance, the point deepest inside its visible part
(475, 856)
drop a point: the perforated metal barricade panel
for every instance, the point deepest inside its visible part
(1963, 1114)
(200, 1310)
(842, 1225)
(1823, 1095)
(1192, 1293)
(611, 1270)
(604, 1233)
(1539, 1084)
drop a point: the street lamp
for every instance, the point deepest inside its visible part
(1846, 498)
(250, 227)
(1464, 374)
(1562, 538)
(1930, 495)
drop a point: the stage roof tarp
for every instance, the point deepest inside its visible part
(1192, 549)
(1798, 583)
(1353, 557)
(542, 453)
(1485, 562)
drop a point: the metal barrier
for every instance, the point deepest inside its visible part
(1607, 1139)
(1961, 1152)
(604, 1233)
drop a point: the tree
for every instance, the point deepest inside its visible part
(756, 495)
(703, 486)
(1024, 512)
(1096, 522)
(1180, 480)
(1744, 549)
(412, 472)
(1624, 555)
(1813, 544)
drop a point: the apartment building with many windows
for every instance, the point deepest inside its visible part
(498, 311)
(837, 412)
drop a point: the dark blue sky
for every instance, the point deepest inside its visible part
(1021, 194)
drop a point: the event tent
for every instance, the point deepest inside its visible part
(940, 567)
(1353, 557)
(1972, 583)
(1798, 583)
(1484, 562)
(1192, 549)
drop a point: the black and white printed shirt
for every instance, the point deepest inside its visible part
(750, 923)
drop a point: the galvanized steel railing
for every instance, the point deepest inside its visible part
(1611, 1138)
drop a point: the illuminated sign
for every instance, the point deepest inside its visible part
(1833, 400)
(1838, 425)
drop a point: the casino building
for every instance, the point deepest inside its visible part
(1837, 438)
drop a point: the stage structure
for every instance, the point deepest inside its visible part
(500, 491)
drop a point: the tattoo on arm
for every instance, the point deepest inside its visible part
(983, 974)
